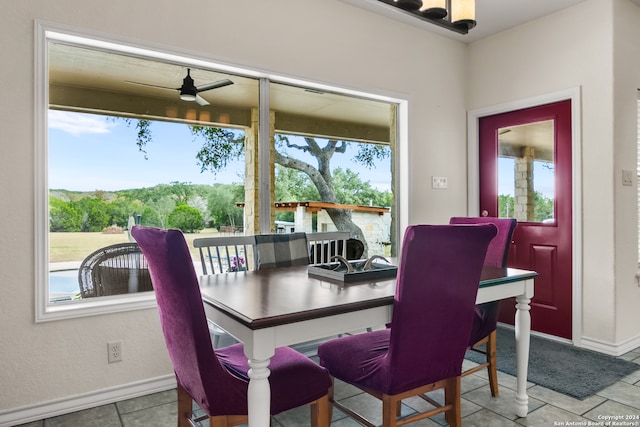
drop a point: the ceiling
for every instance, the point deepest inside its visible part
(95, 80)
(492, 16)
(115, 83)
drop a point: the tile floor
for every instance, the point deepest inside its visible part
(546, 407)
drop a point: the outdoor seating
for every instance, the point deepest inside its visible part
(281, 250)
(485, 318)
(218, 379)
(226, 254)
(113, 270)
(433, 311)
(324, 245)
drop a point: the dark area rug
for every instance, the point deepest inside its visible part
(560, 367)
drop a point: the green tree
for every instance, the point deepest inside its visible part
(62, 216)
(186, 219)
(221, 145)
(543, 207)
(222, 204)
(94, 213)
(150, 218)
(293, 185)
(162, 207)
(351, 190)
(505, 206)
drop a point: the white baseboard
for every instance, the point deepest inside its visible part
(612, 349)
(39, 411)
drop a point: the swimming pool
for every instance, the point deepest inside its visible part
(63, 283)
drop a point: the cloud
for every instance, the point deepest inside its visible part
(78, 123)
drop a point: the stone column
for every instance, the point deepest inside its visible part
(251, 206)
(524, 197)
(251, 171)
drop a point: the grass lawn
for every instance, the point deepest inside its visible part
(76, 246)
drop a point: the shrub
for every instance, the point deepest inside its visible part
(186, 219)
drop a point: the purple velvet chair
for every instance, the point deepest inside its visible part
(217, 380)
(486, 315)
(423, 349)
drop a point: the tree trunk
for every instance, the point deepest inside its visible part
(342, 220)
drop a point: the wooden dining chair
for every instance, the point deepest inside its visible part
(433, 310)
(218, 379)
(483, 333)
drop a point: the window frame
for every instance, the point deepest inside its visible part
(45, 32)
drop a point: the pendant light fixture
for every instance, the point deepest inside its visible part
(463, 13)
(455, 15)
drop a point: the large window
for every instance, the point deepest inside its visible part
(119, 144)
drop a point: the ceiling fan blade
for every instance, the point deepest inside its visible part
(214, 85)
(150, 85)
(200, 100)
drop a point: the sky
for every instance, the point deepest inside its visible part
(89, 152)
(543, 178)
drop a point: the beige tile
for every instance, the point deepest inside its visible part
(503, 405)
(486, 418)
(611, 408)
(148, 401)
(549, 415)
(101, 416)
(624, 393)
(565, 402)
(158, 416)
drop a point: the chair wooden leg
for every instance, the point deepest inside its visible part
(452, 397)
(320, 412)
(492, 368)
(220, 421)
(185, 407)
(389, 411)
(331, 397)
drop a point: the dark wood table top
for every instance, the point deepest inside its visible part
(266, 298)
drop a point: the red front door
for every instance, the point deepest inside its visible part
(525, 173)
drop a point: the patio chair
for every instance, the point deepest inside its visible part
(433, 310)
(114, 270)
(225, 254)
(218, 379)
(281, 250)
(485, 318)
(324, 245)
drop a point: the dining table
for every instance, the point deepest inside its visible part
(271, 308)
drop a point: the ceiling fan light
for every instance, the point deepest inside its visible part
(463, 13)
(434, 9)
(187, 96)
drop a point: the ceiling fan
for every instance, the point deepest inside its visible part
(189, 91)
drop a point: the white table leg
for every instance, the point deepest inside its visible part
(259, 394)
(523, 332)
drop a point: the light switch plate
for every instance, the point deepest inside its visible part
(627, 177)
(439, 182)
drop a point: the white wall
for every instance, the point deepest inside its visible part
(626, 61)
(575, 48)
(326, 41)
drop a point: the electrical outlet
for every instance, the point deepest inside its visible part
(114, 351)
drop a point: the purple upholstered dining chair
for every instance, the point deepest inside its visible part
(423, 349)
(485, 318)
(217, 380)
